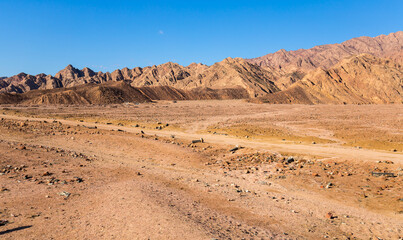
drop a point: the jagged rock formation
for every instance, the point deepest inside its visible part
(389, 46)
(230, 73)
(24, 82)
(358, 79)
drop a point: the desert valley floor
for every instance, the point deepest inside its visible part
(201, 169)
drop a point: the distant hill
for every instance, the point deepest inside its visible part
(116, 92)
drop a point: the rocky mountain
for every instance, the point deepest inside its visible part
(386, 46)
(235, 72)
(360, 70)
(24, 82)
(361, 79)
(230, 73)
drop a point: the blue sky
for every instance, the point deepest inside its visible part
(45, 36)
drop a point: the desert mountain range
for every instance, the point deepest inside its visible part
(362, 70)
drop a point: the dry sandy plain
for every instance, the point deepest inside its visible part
(132, 172)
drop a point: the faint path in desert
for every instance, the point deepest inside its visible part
(333, 151)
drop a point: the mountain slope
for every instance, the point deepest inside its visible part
(232, 73)
(358, 79)
(389, 46)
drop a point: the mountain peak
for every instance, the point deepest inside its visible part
(69, 67)
(233, 60)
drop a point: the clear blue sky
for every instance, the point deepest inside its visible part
(45, 36)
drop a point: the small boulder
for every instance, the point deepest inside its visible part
(329, 215)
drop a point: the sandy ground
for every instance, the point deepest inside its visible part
(134, 177)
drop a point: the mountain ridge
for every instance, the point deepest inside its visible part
(388, 46)
(227, 73)
(301, 76)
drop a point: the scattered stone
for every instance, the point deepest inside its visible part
(329, 185)
(3, 222)
(65, 194)
(386, 174)
(201, 140)
(234, 149)
(290, 160)
(27, 177)
(78, 179)
(46, 174)
(35, 215)
(330, 215)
